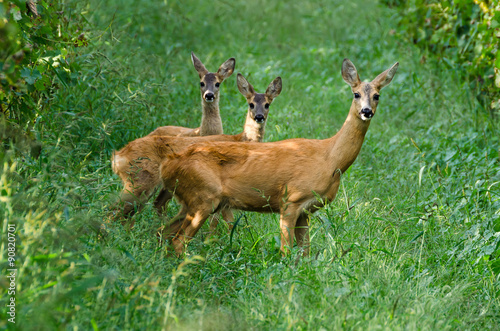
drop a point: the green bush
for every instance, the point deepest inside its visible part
(37, 42)
(464, 35)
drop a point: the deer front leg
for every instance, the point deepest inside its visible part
(288, 221)
(302, 233)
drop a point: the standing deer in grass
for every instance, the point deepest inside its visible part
(286, 176)
(138, 163)
(211, 123)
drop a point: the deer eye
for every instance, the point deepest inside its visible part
(266, 106)
(376, 97)
(251, 106)
(202, 84)
(357, 95)
(217, 84)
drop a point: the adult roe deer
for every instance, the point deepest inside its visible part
(285, 176)
(139, 161)
(211, 123)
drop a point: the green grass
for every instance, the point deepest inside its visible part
(411, 242)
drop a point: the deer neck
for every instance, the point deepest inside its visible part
(346, 144)
(211, 123)
(252, 130)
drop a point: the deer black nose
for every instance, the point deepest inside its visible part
(259, 118)
(209, 96)
(367, 112)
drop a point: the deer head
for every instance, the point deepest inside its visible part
(209, 81)
(258, 103)
(366, 95)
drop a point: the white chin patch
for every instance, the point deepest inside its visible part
(209, 101)
(365, 118)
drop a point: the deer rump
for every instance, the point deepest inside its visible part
(140, 160)
(260, 177)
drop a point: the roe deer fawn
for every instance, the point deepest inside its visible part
(211, 123)
(285, 176)
(138, 163)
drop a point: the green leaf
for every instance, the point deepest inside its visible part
(30, 76)
(42, 84)
(16, 13)
(420, 176)
(417, 236)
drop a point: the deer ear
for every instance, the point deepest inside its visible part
(202, 71)
(350, 74)
(274, 89)
(386, 77)
(244, 86)
(226, 69)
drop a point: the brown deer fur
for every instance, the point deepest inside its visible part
(285, 176)
(211, 123)
(138, 162)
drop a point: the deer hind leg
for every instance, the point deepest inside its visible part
(227, 216)
(135, 194)
(190, 226)
(302, 233)
(169, 230)
(161, 201)
(214, 221)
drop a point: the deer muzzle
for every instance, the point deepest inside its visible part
(259, 118)
(366, 114)
(209, 97)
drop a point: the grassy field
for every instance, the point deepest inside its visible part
(411, 241)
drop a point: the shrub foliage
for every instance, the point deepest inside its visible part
(464, 35)
(37, 41)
